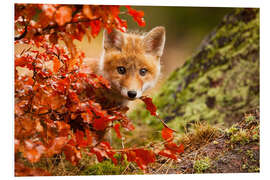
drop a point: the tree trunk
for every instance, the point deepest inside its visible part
(219, 82)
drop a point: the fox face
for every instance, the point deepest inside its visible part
(131, 62)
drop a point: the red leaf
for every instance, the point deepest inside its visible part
(117, 130)
(81, 142)
(95, 27)
(72, 154)
(74, 97)
(174, 148)
(168, 154)
(149, 105)
(142, 157)
(137, 15)
(106, 146)
(167, 134)
(100, 123)
(89, 137)
(99, 153)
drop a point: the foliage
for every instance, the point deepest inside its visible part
(202, 165)
(61, 109)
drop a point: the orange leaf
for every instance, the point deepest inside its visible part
(72, 154)
(22, 170)
(56, 64)
(63, 15)
(87, 11)
(141, 156)
(56, 146)
(174, 148)
(168, 154)
(167, 134)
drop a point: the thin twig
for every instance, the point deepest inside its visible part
(162, 165)
(169, 166)
(126, 168)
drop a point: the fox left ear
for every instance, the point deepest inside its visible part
(154, 41)
(113, 39)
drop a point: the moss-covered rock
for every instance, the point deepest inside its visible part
(219, 82)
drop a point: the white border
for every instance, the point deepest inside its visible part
(200, 3)
(7, 82)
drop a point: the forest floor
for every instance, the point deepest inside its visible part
(215, 150)
(208, 149)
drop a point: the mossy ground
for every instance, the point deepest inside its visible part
(211, 149)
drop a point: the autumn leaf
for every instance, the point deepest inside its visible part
(59, 107)
(168, 154)
(117, 130)
(174, 148)
(33, 151)
(95, 27)
(72, 154)
(137, 15)
(63, 15)
(56, 146)
(167, 134)
(100, 123)
(149, 105)
(56, 64)
(22, 170)
(87, 11)
(141, 157)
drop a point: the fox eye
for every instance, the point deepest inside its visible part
(143, 71)
(121, 70)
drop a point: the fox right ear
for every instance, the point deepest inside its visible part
(113, 39)
(154, 41)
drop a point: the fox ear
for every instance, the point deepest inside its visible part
(113, 39)
(154, 41)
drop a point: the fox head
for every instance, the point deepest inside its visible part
(131, 62)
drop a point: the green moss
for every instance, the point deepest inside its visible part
(202, 164)
(232, 130)
(256, 133)
(253, 169)
(240, 137)
(104, 168)
(250, 118)
(250, 154)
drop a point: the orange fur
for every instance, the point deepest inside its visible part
(135, 53)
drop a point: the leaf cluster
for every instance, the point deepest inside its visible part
(63, 109)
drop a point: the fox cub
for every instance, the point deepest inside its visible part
(130, 62)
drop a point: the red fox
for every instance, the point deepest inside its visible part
(130, 62)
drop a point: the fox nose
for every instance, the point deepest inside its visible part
(132, 94)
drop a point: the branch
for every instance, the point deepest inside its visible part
(22, 35)
(49, 27)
